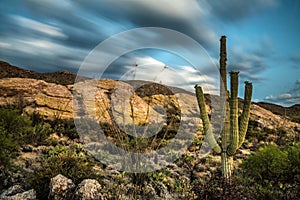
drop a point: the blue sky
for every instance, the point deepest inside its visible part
(262, 40)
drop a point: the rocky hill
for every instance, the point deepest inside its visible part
(60, 77)
(50, 94)
(292, 112)
(68, 78)
(120, 108)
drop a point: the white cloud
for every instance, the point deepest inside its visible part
(5, 45)
(283, 96)
(38, 26)
(175, 8)
(150, 69)
(287, 98)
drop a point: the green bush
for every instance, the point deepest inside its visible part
(219, 188)
(13, 130)
(268, 163)
(65, 127)
(8, 147)
(293, 173)
(71, 162)
(18, 126)
(270, 173)
(274, 172)
(24, 129)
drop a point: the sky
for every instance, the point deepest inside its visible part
(113, 39)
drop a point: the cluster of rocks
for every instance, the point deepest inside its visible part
(62, 188)
(16, 192)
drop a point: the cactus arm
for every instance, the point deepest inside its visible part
(226, 127)
(206, 123)
(234, 123)
(223, 73)
(243, 125)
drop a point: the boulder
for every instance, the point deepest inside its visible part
(15, 193)
(61, 188)
(89, 189)
(12, 191)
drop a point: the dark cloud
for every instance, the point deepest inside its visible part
(84, 24)
(185, 17)
(295, 59)
(250, 66)
(251, 62)
(80, 25)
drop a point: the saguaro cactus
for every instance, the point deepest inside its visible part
(234, 131)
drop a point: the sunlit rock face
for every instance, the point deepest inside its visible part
(110, 101)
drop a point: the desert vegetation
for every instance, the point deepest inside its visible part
(271, 171)
(43, 154)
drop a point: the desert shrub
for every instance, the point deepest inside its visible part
(271, 173)
(254, 133)
(268, 163)
(274, 171)
(18, 126)
(40, 133)
(23, 129)
(293, 172)
(295, 119)
(8, 147)
(219, 188)
(36, 118)
(71, 162)
(64, 127)
(16, 130)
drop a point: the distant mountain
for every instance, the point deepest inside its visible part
(59, 77)
(292, 111)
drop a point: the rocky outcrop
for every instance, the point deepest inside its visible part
(48, 99)
(107, 99)
(266, 118)
(12, 191)
(16, 192)
(55, 101)
(116, 101)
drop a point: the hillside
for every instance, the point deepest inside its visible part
(292, 111)
(68, 78)
(59, 77)
(47, 144)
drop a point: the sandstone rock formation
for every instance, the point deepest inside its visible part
(116, 101)
(48, 99)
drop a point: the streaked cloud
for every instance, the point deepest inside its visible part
(236, 10)
(150, 69)
(38, 26)
(289, 98)
(53, 35)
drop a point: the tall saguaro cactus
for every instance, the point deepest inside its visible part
(234, 131)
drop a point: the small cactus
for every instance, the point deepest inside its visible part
(234, 131)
